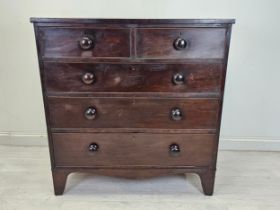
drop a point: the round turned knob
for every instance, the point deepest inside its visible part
(180, 43)
(93, 147)
(174, 149)
(86, 43)
(178, 79)
(88, 78)
(90, 113)
(176, 114)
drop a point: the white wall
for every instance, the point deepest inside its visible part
(251, 108)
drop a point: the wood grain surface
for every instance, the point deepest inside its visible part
(198, 78)
(133, 113)
(132, 149)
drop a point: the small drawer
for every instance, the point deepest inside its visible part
(176, 78)
(82, 112)
(100, 149)
(84, 42)
(181, 43)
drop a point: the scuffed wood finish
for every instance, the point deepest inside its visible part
(139, 121)
(133, 113)
(72, 149)
(198, 78)
(203, 43)
(64, 42)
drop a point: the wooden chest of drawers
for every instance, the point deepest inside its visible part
(133, 98)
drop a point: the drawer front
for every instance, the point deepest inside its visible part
(87, 42)
(79, 77)
(133, 113)
(76, 149)
(184, 43)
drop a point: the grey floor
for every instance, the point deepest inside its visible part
(245, 180)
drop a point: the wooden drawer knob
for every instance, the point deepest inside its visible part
(178, 79)
(86, 43)
(176, 114)
(174, 149)
(90, 113)
(93, 147)
(88, 78)
(180, 43)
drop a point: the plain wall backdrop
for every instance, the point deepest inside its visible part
(252, 101)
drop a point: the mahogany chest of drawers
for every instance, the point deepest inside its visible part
(133, 98)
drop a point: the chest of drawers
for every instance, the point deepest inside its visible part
(133, 98)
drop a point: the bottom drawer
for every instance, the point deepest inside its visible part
(111, 149)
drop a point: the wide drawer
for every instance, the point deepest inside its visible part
(183, 78)
(88, 149)
(83, 112)
(181, 43)
(84, 42)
